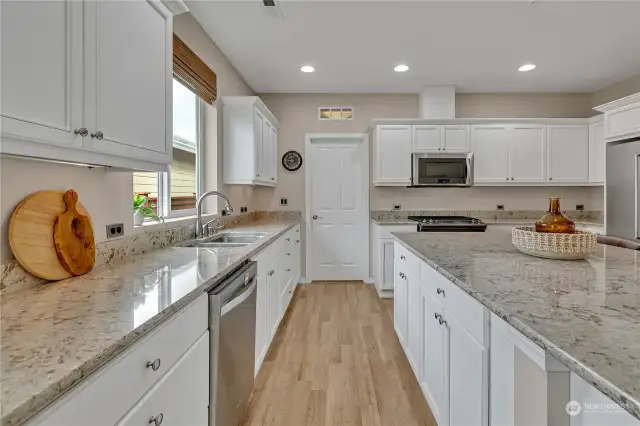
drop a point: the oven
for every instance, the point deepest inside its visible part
(442, 169)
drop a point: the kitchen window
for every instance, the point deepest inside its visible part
(174, 194)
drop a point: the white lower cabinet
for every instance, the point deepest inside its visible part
(165, 372)
(181, 397)
(278, 276)
(596, 408)
(383, 268)
(451, 364)
(434, 356)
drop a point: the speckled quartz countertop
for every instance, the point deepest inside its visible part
(54, 335)
(585, 313)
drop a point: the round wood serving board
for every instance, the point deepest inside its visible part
(31, 234)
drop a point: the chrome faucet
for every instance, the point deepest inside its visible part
(227, 209)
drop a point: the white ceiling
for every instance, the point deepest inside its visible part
(477, 46)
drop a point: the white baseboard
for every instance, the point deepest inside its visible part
(368, 280)
(302, 280)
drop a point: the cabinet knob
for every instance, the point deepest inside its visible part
(550, 178)
(288, 239)
(157, 420)
(97, 135)
(288, 254)
(154, 365)
(258, 174)
(511, 178)
(442, 322)
(82, 131)
(437, 316)
(273, 178)
(270, 273)
(440, 291)
(288, 270)
(297, 241)
(507, 178)
(402, 257)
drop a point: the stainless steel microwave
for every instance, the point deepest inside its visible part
(442, 169)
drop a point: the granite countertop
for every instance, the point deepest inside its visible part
(513, 222)
(585, 313)
(56, 334)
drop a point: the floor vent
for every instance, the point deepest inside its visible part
(335, 113)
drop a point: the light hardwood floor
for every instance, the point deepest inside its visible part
(336, 361)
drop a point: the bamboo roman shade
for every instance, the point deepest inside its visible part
(189, 68)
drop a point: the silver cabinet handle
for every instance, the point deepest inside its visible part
(98, 135)
(157, 420)
(442, 322)
(154, 365)
(437, 316)
(82, 131)
(315, 217)
(288, 239)
(288, 254)
(440, 291)
(403, 275)
(271, 272)
(402, 257)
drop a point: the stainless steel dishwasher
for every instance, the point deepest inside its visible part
(232, 326)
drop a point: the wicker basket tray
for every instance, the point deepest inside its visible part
(554, 246)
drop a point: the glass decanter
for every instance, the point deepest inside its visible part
(554, 221)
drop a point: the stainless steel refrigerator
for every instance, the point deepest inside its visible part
(623, 186)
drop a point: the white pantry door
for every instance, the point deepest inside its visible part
(337, 210)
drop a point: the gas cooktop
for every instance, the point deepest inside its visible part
(448, 224)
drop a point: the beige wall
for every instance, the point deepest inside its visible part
(523, 105)
(616, 91)
(297, 114)
(107, 194)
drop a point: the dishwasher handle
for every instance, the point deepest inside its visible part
(239, 296)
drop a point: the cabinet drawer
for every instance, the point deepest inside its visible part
(119, 384)
(182, 396)
(468, 312)
(408, 261)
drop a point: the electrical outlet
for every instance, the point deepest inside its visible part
(397, 206)
(284, 201)
(580, 207)
(243, 209)
(115, 230)
(500, 207)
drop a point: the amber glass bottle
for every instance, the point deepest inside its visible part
(554, 222)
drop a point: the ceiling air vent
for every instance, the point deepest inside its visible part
(335, 113)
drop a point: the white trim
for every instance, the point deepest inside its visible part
(365, 188)
(368, 280)
(628, 100)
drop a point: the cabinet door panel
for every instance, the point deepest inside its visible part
(399, 302)
(387, 264)
(265, 161)
(568, 154)
(414, 327)
(597, 148)
(468, 377)
(258, 128)
(273, 156)
(527, 154)
(426, 138)
(261, 318)
(433, 379)
(42, 71)
(129, 78)
(393, 155)
(455, 138)
(273, 302)
(490, 146)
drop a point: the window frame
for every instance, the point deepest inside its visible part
(164, 178)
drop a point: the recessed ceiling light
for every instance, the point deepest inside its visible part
(527, 67)
(401, 68)
(307, 68)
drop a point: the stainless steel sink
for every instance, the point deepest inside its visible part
(225, 239)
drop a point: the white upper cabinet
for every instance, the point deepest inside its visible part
(392, 155)
(128, 73)
(455, 138)
(434, 138)
(568, 154)
(250, 137)
(42, 73)
(93, 87)
(490, 146)
(597, 151)
(426, 138)
(527, 154)
(621, 118)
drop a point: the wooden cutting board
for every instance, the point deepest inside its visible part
(73, 238)
(31, 234)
